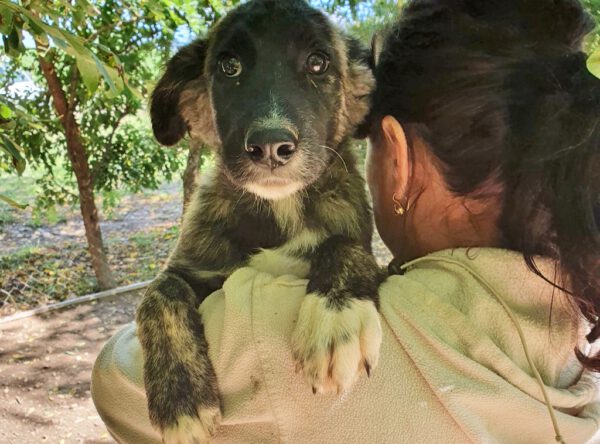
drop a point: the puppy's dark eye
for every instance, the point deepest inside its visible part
(317, 63)
(230, 65)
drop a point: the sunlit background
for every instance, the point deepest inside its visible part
(95, 63)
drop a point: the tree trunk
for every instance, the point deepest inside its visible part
(190, 175)
(79, 161)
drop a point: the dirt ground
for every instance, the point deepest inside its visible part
(134, 213)
(46, 362)
(45, 368)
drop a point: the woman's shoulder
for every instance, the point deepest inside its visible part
(448, 343)
(453, 294)
(477, 299)
(467, 278)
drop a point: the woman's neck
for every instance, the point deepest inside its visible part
(441, 220)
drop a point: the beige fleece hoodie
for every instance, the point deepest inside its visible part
(452, 366)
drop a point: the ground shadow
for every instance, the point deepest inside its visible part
(45, 369)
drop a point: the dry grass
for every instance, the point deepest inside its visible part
(37, 276)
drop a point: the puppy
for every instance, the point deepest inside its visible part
(278, 91)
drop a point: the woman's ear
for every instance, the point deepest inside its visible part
(180, 102)
(396, 145)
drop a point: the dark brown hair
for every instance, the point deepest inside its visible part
(499, 89)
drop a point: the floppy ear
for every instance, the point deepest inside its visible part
(180, 102)
(358, 86)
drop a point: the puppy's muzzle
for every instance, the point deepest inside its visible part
(271, 147)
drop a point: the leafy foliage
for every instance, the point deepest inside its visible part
(16, 18)
(373, 19)
(107, 91)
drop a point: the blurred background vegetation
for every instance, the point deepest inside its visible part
(77, 153)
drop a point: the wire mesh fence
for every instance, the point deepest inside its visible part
(38, 276)
(53, 273)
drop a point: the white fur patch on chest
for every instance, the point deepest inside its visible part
(287, 259)
(277, 263)
(288, 213)
(274, 191)
(306, 240)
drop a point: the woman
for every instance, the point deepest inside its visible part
(485, 175)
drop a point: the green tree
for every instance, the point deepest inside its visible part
(79, 115)
(374, 18)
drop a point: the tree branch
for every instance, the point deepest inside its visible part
(79, 161)
(61, 105)
(110, 26)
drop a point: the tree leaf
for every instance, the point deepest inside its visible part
(14, 42)
(8, 126)
(6, 20)
(593, 63)
(5, 112)
(14, 150)
(12, 203)
(79, 15)
(76, 42)
(111, 77)
(88, 64)
(134, 91)
(89, 73)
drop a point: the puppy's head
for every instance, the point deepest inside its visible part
(275, 88)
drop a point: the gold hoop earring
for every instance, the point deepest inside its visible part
(401, 206)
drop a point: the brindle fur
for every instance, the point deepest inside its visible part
(328, 224)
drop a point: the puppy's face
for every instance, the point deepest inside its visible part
(275, 88)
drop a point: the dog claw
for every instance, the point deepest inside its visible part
(314, 390)
(368, 369)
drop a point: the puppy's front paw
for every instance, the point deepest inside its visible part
(332, 344)
(193, 430)
(183, 399)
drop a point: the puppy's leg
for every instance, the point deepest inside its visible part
(338, 333)
(181, 385)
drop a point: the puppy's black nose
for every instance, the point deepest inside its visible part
(272, 147)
